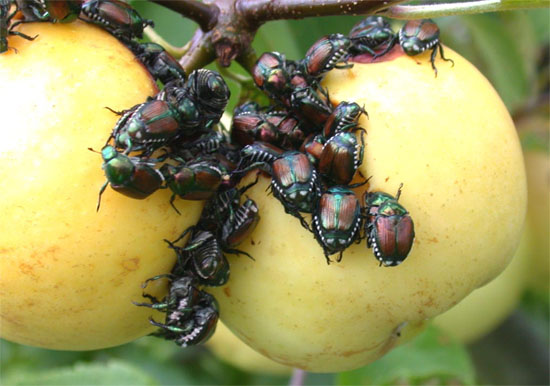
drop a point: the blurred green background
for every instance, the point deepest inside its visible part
(511, 49)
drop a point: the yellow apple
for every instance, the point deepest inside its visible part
(487, 307)
(226, 346)
(452, 144)
(69, 274)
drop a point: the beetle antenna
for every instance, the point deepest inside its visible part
(398, 192)
(364, 111)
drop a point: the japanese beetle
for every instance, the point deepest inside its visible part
(239, 226)
(325, 54)
(5, 18)
(203, 256)
(195, 180)
(183, 293)
(343, 118)
(313, 147)
(5, 27)
(221, 207)
(117, 17)
(54, 11)
(228, 157)
(206, 143)
(270, 73)
(146, 126)
(129, 176)
(248, 127)
(295, 184)
(247, 107)
(337, 220)
(308, 103)
(208, 89)
(341, 157)
(389, 228)
(188, 114)
(292, 131)
(160, 64)
(417, 36)
(258, 155)
(235, 224)
(191, 314)
(370, 35)
(190, 327)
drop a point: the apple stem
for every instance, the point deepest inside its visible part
(298, 377)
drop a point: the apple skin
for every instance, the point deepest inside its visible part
(452, 144)
(69, 273)
(487, 307)
(226, 346)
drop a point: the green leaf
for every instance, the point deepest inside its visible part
(502, 60)
(162, 360)
(277, 36)
(525, 39)
(176, 29)
(111, 373)
(536, 306)
(431, 357)
(455, 34)
(17, 357)
(532, 141)
(539, 18)
(309, 30)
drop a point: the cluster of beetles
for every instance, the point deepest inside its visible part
(310, 148)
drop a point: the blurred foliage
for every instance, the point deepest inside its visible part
(507, 48)
(430, 358)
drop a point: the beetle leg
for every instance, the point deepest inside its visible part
(164, 326)
(358, 184)
(324, 92)
(191, 228)
(161, 276)
(11, 15)
(443, 56)
(172, 203)
(22, 35)
(237, 252)
(194, 245)
(245, 188)
(432, 59)
(343, 66)
(13, 25)
(304, 223)
(361, 48)
(387, 49)
(100, 193)
(300, 217)
(361, 148)
(326, 257)
(150, 297)
(155, 303)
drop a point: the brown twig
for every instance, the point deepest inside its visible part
(200, 52)
(205, 15)
(228, 26)
(257, 12)
(248, 59)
